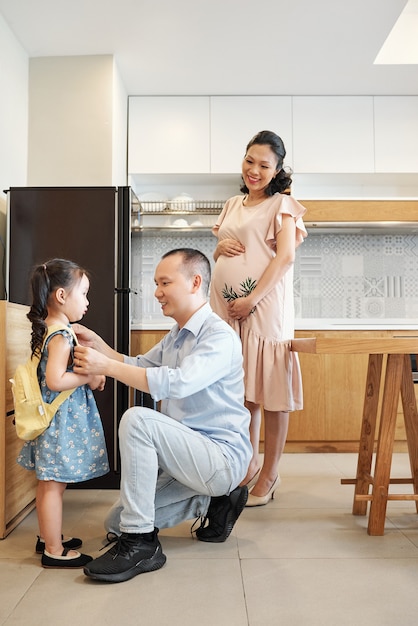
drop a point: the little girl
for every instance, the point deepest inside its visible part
(73, 448)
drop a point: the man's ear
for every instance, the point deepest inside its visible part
(197, 282)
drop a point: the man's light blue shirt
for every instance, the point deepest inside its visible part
(197, 373)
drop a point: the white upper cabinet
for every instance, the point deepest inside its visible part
(236, 119)
(322, 134)
(168, 135)
(396, 133)
(333, 134)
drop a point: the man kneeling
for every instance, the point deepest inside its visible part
(188, 460)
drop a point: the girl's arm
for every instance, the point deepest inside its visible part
(57, 377)
(93, 362)
(276, 269)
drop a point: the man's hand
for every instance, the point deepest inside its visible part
(85, 336)
(90, 362)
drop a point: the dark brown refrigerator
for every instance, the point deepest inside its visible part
(91, 226)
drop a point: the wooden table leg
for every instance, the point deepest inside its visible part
(368, 429)
(391, 391)
(409, 405)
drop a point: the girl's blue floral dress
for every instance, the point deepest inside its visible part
(73, 448)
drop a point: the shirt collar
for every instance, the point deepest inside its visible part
(195, 323)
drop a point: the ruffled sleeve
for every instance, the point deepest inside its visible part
(287, 206)
(221, 217)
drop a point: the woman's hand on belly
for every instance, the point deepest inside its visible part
(240, 308)
(229, 247)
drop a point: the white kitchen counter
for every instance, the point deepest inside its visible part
(314, 324)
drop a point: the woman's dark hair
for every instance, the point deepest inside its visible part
(45, 279)
(194, 262)
(281, 183)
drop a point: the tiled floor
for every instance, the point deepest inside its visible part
(302, 560)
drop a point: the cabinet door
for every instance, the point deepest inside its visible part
(333, 395)
(333, 134)
(396, 133)
(168, 135)
(144, 340)
(236, 119)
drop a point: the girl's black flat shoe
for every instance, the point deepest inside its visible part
(72, 543)
(64, 561)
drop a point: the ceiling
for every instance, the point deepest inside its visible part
(223, 47)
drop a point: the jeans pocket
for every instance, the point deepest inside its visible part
(220, 483)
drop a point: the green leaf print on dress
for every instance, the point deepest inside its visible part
(246, 287)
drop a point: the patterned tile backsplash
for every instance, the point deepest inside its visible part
(344, 276)
(147, 250)
(357, 276)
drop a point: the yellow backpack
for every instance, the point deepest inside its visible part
(32, 414)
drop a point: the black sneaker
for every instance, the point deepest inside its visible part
(222, 514)
(131, 555)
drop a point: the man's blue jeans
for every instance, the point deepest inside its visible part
(168, 473)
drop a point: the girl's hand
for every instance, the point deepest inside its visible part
(97, 383)
(229, 247)
(240, 308)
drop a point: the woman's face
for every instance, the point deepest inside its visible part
(259, 167)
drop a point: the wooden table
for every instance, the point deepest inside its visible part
(389, 377)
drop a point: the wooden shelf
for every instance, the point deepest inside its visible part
(361, 210)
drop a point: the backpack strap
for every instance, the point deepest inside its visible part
(63, 395)
(54, 328)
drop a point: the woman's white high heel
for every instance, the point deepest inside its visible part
(253, 480)
(262, 500)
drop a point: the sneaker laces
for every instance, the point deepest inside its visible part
(124, 542)
(211, 515)
(202, 519)
(110, 538)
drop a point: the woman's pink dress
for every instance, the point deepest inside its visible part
(272, 372)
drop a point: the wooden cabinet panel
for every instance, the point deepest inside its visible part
(17, 486)
(144, 340)
(334, 386)
(333, 396)
(20, 484)
(310, 424)
(18, 345)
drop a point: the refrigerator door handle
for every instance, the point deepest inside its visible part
(125, 290)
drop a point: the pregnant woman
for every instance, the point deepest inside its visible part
(252, 289)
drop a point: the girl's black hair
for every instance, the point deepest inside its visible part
(282, 182)
(45, 279)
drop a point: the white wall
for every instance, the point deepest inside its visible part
(72, 131)
(14, 68)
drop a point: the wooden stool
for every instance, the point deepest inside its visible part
(397, 382)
